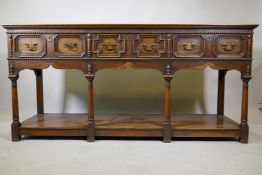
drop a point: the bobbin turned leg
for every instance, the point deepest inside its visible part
(167, 122)
(39, 91)
(244, 109)
(90, 101)
(221, 92)
(15, 124)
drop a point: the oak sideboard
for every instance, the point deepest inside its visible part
(167, 48)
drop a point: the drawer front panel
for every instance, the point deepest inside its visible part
(70, 46)
(188, 46)
(108, 45)
(30, 46)
(131, 45)
(149, 45)
(229, 46)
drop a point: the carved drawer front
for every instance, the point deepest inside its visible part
(188, 46)
(149, 45)
(30, 46)
(70, 46)
(108, 45)
(229, 46)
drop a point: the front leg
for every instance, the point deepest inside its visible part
(90, 100)
(246, 76)
(167, 121)
(13, 76)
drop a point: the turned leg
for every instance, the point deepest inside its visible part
(15, 124)
(91, 124)
(167, 122)
(244, 111)
(221, 92)
(90, 103)
(39, 91)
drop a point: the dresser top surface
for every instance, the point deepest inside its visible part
(128, 26)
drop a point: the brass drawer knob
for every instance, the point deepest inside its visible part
(188, 46)
(109, 46)
(148, 47)
(31, 46)
(228, 46)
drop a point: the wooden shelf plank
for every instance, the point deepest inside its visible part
(107, 125)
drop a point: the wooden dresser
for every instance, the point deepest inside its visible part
(167, 48)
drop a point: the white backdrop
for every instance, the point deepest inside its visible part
(129, 11)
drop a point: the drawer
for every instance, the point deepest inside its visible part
(229, 46)
(29, 46)
(188, 46)
(108, 45)
(70, 45)
(149, 45)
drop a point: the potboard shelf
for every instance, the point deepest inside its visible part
(132, 125)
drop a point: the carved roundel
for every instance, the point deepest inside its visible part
(149, 45)
(108, 45)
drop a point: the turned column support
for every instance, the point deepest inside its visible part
(13, 76)
(167, 120)
(246, 76)
(221, 91)
(39, 91)
(90, 102)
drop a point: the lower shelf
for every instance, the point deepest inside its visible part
(134, 125)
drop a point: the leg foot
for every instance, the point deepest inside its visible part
(15, 132)
(244, 134)
(91, 132)
(167, 133)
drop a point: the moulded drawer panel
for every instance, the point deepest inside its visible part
(229, 46)
(30, 46)
(188, 45)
